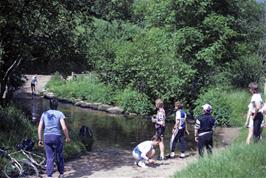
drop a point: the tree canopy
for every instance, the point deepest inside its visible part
(169, 49)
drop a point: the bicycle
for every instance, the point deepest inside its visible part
(39, 161)
(18, 168)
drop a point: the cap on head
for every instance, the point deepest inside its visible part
(53, 103)
(207, 108)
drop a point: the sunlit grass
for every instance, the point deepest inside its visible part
(239, 160)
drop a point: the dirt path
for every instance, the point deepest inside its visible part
(119, 163)
(25, 90)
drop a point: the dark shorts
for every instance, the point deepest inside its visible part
(32, 85)
(160, 131)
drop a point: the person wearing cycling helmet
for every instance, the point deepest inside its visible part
(204, 126)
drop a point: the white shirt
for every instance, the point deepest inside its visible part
(34, 80)
(160, 117)
(144, 148)
(256, 99)
(180, 118)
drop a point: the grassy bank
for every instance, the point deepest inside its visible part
(89, 88)
(238, 161)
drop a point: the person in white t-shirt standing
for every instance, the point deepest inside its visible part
(33, 84)
(255, 113)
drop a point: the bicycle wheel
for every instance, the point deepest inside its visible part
(29, 170)
(12, 169)
(24, 169)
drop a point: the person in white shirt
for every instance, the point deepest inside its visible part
(34, 81)
(144, 151)
(178, 132)
(255, 113)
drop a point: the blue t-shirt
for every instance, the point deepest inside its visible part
(51, 120)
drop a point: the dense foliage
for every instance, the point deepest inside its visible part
(172, 49)
(179, 46)
(228, 106)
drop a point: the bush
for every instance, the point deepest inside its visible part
(245, 70)
(14, 124)
(220, 106)
(132, 101)
(229, 106)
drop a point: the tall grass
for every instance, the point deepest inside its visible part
(239, 100)
(89, 88)
(229, 107)
(85, 87)
(238, 161)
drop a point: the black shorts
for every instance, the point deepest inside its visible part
(160, 131)
(32, 85)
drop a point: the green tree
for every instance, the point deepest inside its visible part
(40, 34)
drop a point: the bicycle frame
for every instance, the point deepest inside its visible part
(17, 164)
(30, 156)
(12, 159)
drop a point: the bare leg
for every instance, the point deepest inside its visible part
(250, 135)
(161, 145)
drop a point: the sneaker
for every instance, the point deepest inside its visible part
(160, 158)
(172, 155)
(182, 155)
(142, 164)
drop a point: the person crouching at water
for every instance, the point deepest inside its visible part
(159, 120)
(144, 152)
(204, 126)
(178, 132)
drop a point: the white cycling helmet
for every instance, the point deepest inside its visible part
(207, 108)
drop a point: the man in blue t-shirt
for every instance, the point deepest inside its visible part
(53, 122)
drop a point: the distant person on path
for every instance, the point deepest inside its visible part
(159, 120)
(144, 152)
(204, 126)
(178, 132)
(53, 122)
(255, 112)
(33, 84)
